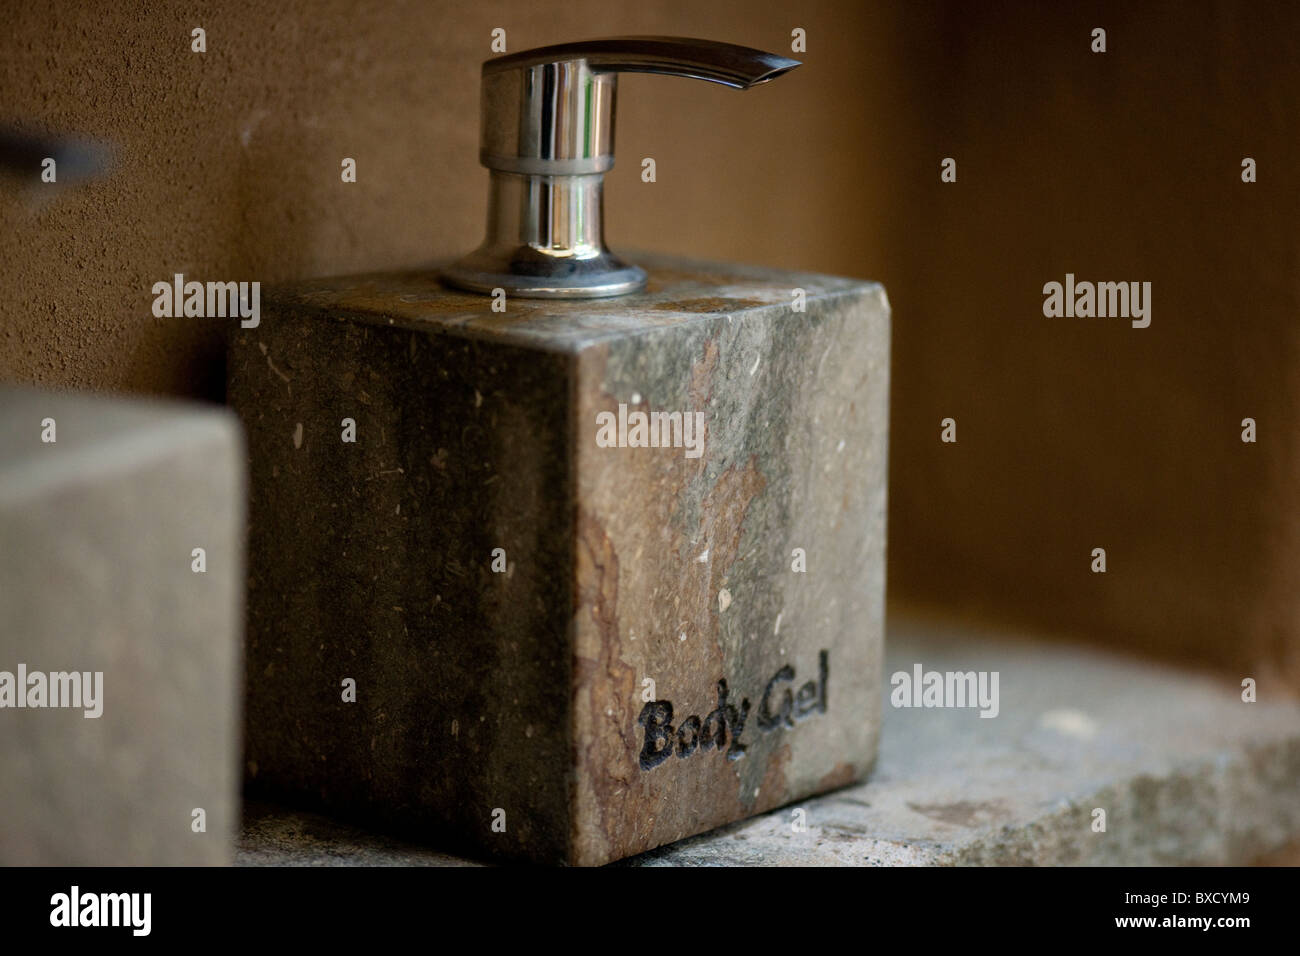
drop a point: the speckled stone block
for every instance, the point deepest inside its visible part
(670, 636)
(98, 531)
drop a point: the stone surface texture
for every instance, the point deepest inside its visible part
(1188, 773)
(628, 569)
(97, 531)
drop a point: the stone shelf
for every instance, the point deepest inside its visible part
(1186, 771)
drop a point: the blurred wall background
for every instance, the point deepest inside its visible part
(1073, 433)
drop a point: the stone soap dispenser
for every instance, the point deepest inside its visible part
(555, 556)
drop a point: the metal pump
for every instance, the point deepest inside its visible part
(548, 138)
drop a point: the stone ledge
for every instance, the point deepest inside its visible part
(108, 504)
(1187, 774)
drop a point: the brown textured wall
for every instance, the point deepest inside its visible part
(1073, 433)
